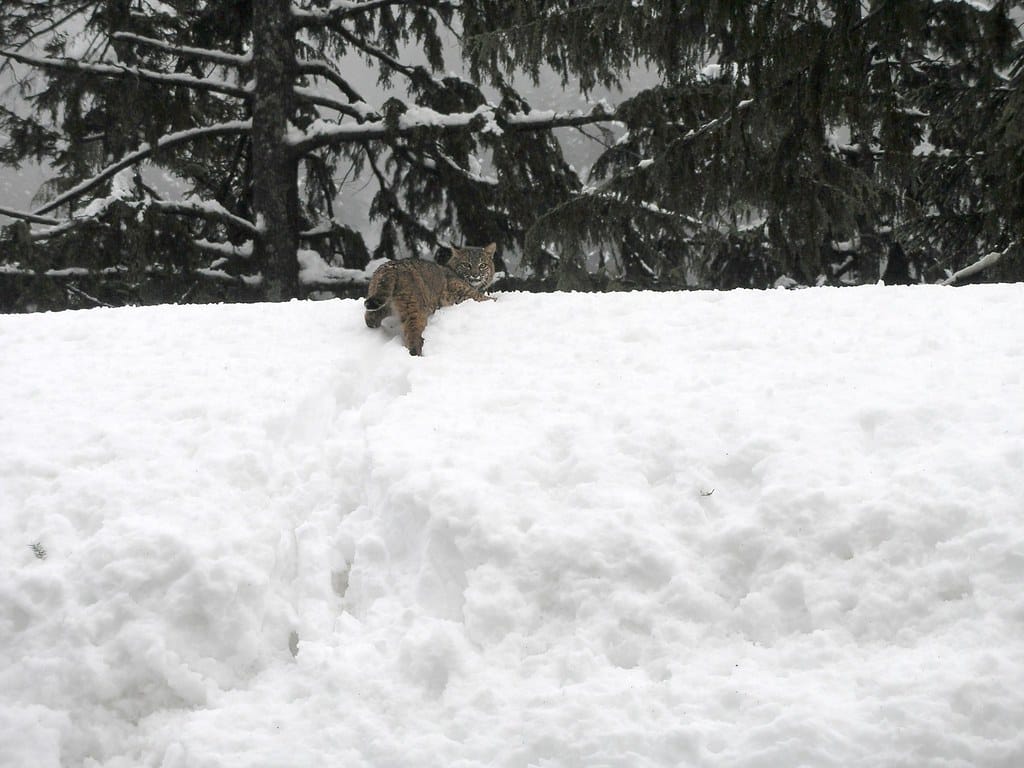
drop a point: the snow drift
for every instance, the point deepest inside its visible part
(699, 529)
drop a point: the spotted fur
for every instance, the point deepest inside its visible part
(412, 289)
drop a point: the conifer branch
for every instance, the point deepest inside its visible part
(145, 151)
(55, 24)
(343, 9)
(208, 211)
(227, 250)
(313, 97)
(156, 270)
(321, 68)
(413, 73)
(470, 175)
(62, 227)
(486, 118)
(205, 54)
(125, 72)
(74, 290)
(30, 217)
(542, 120)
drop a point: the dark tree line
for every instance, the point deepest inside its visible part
(785, 143)
(793, 141)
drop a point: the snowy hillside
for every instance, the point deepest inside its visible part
(704, 529)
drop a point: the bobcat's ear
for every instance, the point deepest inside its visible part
(455, 251)
(490, 249)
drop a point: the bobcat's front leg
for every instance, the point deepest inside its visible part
(459, 291)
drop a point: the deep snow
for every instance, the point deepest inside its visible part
(699, 529)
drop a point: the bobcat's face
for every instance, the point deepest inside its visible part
(474, 265)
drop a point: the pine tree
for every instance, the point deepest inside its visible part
(787, 142)
(792, 142)
(247, 105)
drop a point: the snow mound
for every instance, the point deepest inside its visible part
(699, 529)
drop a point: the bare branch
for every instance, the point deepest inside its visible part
(205, 54)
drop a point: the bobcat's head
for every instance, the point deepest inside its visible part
(474, 265)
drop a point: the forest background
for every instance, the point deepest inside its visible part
(212, 150)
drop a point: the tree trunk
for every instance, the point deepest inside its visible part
(275, 194)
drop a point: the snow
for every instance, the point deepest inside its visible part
(769, 528)
(122, 187)
(241, 251)
(313, 270)
(986, 261)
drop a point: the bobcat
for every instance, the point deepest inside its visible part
(412, 289)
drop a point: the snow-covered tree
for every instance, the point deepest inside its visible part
(248, 107)
(793, 141)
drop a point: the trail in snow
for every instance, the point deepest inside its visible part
(747, 528)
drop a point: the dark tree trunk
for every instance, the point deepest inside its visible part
(275, 194)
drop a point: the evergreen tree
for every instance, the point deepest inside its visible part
(247, 105)
(787, 142)
(791, 141)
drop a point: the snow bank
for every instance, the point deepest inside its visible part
(701, 529)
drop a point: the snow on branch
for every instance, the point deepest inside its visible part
(122, 71)
(313, 270)
(65, 273)
(76, 273)
(472, 175)
(29, 217)
(206, 54)
(219, 275)
(121, 190)
(691, 135)
(541, 120)
(228, 250)
(695, 133)
(207, 209)
(170, 140)
(62, 227)
(342, 9)
(210, 210)
(484, 119)
(983, 263)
